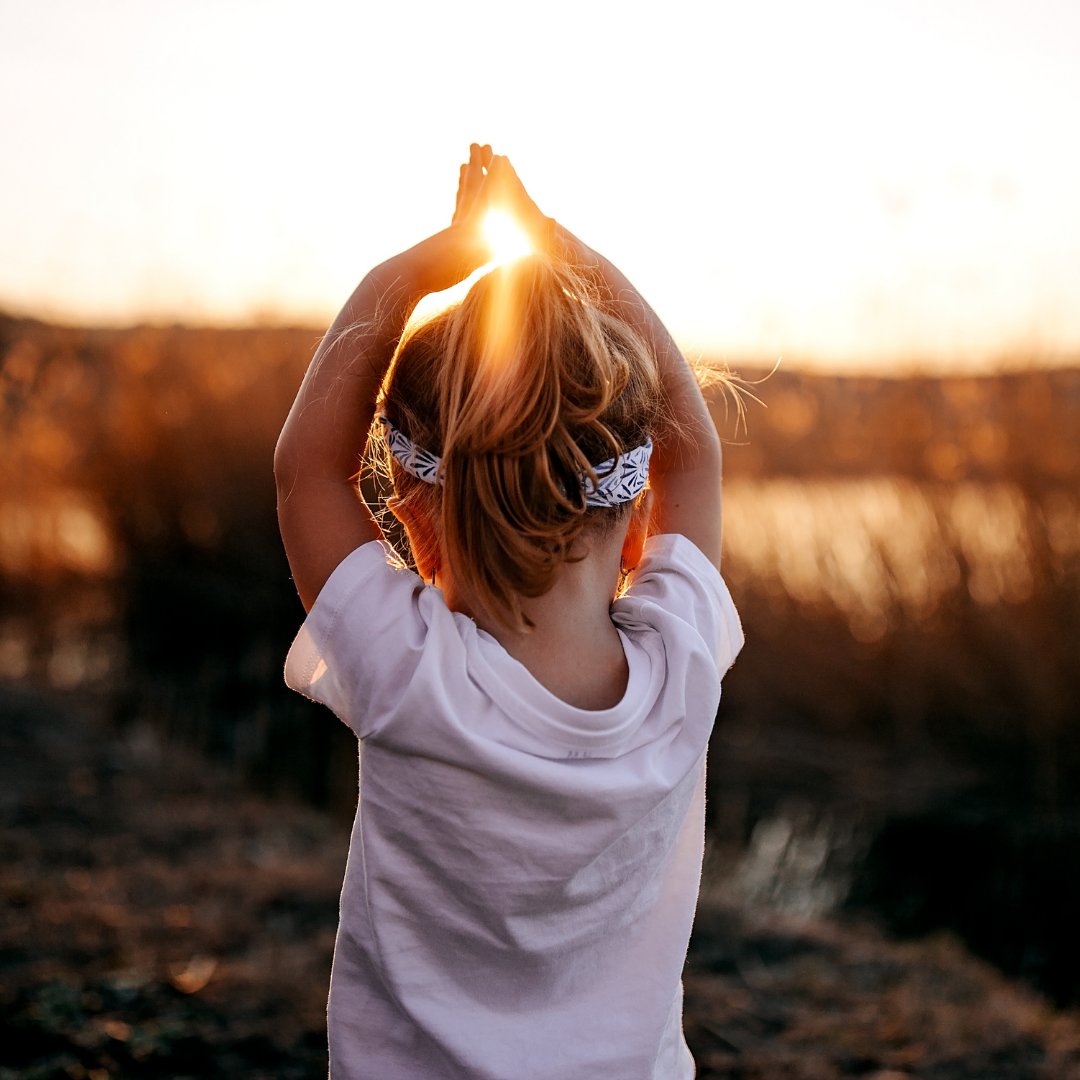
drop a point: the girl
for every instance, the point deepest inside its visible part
(534, 703)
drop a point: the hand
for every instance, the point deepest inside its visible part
(471, 183)
(450, 256)
(505, 190)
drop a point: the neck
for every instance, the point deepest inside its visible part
(570, 621)
(580, 595)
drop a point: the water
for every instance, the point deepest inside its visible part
(882, 550)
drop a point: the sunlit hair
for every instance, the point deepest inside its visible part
(520, 388)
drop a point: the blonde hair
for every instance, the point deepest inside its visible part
(521, 389)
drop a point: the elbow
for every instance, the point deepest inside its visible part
(709, 446)
(286, 467)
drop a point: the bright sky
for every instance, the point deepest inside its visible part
(861, 183)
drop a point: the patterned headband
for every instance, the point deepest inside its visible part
(619, 480)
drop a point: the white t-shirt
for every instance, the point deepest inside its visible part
(522, 874)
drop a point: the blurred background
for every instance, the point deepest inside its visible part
(869, 211)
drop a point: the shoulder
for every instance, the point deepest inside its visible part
(677, 590)
(368, 588)
(364, 635)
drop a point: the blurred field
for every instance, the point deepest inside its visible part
(898, 736)
(906, 552)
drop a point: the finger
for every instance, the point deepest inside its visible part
(476, 165)
(460, 189)
(500, 164)
(474, 175)
(503, 179)
(505, 189)
(471, 174)
(486, 155)
(470, 182)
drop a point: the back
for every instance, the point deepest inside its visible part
(523, 874)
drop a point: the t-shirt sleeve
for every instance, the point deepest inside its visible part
(362, 639)
(675, 580)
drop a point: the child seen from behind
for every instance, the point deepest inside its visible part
(533, 704)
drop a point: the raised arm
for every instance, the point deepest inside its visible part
(320, 513)
(685, 472)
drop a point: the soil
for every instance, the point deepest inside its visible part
(157, 920)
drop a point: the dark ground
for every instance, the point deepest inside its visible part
(158, 921)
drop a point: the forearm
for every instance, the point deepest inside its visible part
(327, 427)
(691, 441)
(685, 470)
(321, 446)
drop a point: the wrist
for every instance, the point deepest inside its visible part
(440, 261)
(401, 279)
(547, 235)
(570, 248)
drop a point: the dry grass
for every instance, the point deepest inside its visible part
(158, 923)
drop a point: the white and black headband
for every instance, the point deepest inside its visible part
(619, 480)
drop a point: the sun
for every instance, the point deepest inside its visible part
(507, 240)
(505, 236)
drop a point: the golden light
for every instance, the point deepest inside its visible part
(506, 237)
(508, 242)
